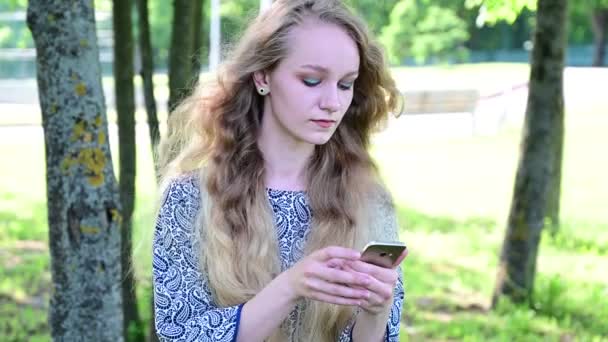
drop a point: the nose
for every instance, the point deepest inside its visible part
(330, 100)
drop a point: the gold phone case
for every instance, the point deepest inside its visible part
(381, 253)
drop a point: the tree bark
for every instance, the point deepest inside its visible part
(82, 195)
(599, 24)
(180, 63)
(147, 73)
(197, 39)
(540, 159)
(125, 109)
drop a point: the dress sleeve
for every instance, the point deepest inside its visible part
(183, 305)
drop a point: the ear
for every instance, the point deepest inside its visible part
(260, 79)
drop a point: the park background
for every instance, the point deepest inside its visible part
(452, 174)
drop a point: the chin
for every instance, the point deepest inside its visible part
(318, 140)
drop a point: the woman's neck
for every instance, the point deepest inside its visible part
(285, 161)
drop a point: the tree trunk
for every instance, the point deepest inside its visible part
(541, 149)
(197, 39)
(180, 63)
(82, 196)
(599, 21)
(125, 109)
(147, 73)
(152, 337)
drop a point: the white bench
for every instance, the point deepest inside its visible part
(421, 102)
(440, 101)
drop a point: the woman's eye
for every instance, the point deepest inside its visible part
(345, 85)
(311, 82)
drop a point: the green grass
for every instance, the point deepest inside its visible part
(453, 196)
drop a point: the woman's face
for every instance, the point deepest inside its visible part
(312, 87)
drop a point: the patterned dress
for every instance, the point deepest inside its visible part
(184, 307)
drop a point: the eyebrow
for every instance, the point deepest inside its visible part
(325, 70)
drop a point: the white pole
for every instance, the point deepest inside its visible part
(264, 4)
(214, 36)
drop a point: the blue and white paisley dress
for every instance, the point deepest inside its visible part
(184, 306)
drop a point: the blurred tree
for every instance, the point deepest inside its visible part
(180, 53)
(424, 30)
(125, 109)
(199, 38)
(599, 21)
(539, 170)
(595, 12)
(82, 196)
(492, 11)
(147, 72)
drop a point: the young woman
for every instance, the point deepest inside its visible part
(270, 192)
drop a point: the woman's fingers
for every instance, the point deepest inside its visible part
(318, 288)
(380, 292)
(336, 263)
(336, 275)
(326, 298)
(331, 252)
(401, 257)
(385, 275)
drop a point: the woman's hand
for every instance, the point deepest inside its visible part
(381, 286)
(321, 276)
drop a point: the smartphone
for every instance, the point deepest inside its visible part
(383, 253)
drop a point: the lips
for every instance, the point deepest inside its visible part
(324, 123)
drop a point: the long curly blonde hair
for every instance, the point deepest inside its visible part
(214, 132)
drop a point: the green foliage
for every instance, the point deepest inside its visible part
(24, 285)
(492, 11)
(375, 13)
(11, 5)
(235, 16)
(14, 33)
(161, 16)
(424, 31)
(21, 323)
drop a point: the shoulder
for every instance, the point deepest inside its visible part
(382, 216)
(181, 197)
(184, 185)
(380, 198)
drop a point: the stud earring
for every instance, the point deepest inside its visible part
(262, 91)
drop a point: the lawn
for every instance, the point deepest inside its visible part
(452, 196)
